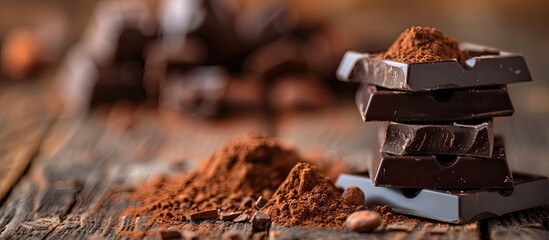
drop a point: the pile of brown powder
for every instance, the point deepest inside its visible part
(424, 44)
(249, 167)
(307, 198)
(242, 169)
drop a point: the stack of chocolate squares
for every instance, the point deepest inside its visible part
(438, 155)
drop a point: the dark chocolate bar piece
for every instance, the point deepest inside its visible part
(118, 82)
(486, 68)
(198, 91)
(454, 206)
(468, 139)
(443, 171)
(379, 104)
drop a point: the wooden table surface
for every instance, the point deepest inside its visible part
(66, 177)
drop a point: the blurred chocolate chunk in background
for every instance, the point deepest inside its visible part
(273, 56)
(203, 58)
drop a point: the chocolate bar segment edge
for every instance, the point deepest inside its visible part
(466, 139)
(454, 206)
(379, 104)
(442, 171)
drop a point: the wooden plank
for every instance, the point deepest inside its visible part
(527, 224)
(64, 194)
(43, 198)
(24, 121)
(423, 230)
(278, 232)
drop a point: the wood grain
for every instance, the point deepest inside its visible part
(527, 224)
(24, 122)
(83, 169)
(83, 159)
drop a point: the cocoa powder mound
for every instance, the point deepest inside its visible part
(307, 198)
(424, 44)
(249, 167)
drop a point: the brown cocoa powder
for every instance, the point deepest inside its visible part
(389, 217)
(246, 168)
(249, 167)
(424, 44)
(307, 198)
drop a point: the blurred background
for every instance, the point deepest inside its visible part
(212, 58)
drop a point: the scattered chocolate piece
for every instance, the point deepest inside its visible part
(247, 202)
(382, 209)
(261, 220)
(260, 203)
(242, 218)
(204, 215)
(229, 216)
(170, 234)
(354, 196)
(232, 235)
(363, 221)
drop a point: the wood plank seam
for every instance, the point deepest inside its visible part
(35, 152)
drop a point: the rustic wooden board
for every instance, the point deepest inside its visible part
(528, 224)
(84, 160)
(62, 196)
(23, 124)
(423, 230)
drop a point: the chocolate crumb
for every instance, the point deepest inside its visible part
(363, 221)
(242, 218)
(170, 235)
(247, 202)
(261, 220)
(229, 216)
(353, 196)
(204, 215)
(260, 203)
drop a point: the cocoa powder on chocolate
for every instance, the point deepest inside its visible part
(424, 44)
(249, 167)
(307, 198)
